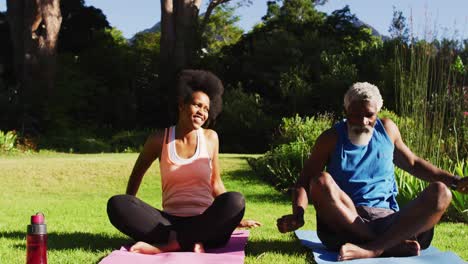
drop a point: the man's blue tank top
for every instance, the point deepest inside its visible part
(365, 173)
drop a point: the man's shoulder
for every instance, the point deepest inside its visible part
(387, 121)
(331, 132)
(390, 127)
(328, 138)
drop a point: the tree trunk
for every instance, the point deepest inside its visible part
(179, 38)
(34, 26)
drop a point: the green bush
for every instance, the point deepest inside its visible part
(459, 209)
(281, 165)
(409, 186)
(243, 126)
(8, 141)
(305, 129)
(74, 144)
(129, 141)
(88, 142)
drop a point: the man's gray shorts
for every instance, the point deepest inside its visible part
(379, 220)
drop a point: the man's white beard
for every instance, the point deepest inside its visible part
(360, 135)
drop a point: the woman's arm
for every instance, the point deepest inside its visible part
(213, 149)
(151, 151)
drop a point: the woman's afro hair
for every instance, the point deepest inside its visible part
(190, 81)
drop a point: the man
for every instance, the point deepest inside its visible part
(354, 197)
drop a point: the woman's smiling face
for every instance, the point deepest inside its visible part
(195, 111)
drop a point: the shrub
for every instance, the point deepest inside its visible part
(74, 144)
(243, 126)
(8, 141)
(409, 187)
(458, 210)
(11, 142)
(129, 141)
(73, 141)
(303, 129)
(281, 165)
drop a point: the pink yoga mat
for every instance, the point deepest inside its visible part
(232, 253)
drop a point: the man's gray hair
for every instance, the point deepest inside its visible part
(363, 91)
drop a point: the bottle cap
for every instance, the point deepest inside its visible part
(37, 219)
(37, 226)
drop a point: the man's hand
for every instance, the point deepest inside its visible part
(462, 185)
(288, 223)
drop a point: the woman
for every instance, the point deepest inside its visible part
(197, 212)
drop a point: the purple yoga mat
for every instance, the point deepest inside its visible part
(232, 253)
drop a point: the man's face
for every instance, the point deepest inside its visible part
(361, 117)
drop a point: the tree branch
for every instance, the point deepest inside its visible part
(213, 4)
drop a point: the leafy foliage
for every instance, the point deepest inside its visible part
(221, 30)
(281, 165)
(296, 61)
(7, 141)
(459, 208)
(243, 126)
(399, 29)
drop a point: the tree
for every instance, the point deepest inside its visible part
(34, 27)
(181, 37)
(293, 11)
(399, 29)
(221, 30)
(80, 26)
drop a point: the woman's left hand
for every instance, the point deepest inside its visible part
(249, 223)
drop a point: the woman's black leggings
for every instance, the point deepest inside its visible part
(143, 222)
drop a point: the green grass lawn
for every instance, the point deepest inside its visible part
(72, 191)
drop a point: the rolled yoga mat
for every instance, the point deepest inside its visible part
(232, 253)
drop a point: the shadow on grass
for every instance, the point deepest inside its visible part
(75, 240)
(277, 198)
(257, 249)
(248, 178)
(101, 242)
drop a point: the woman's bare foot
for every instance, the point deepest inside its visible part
(404, 249)
(198, 248)
(350, 251)
(145, 248)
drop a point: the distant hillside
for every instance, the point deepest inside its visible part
(360, 23)
(155, 28)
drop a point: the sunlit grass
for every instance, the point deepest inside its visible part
(72, 191)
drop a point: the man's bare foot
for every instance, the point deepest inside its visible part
(145, 248)
(404, 249)
(350, 251)
(198, 248)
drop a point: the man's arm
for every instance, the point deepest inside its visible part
(405, 159)
(313, 166)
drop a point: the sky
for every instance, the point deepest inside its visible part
(436, 18)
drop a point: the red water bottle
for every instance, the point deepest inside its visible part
(36, 240)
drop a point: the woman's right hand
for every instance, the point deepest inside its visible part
(249, 223)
